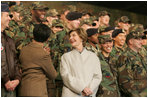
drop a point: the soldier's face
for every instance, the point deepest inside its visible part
(120, 39)
(136, 43)
(107, 47)
(39, 14)
(75, 24)
(104, 20)
(5, 19)
(94, 38)
(74, 39)
(124, 26)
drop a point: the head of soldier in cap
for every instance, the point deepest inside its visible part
(134, 38)
(104, 18)
(69, 8)
(92, 35)
(15, 11)
(86, 15)
(106, 44)
(4, 16)
(38, 11)
(105, 30)
(86, 23)
(57, 26)
(73, 19)
(124, 23)
(119, 37)
(78, 38)
(51, 14)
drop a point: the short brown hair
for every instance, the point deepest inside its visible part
(82, 34)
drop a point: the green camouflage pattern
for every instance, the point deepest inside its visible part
(37, 5)
(115, 53)
(104, 38)
(16, 8)
(89, 47)
(124, 19)
(57, 22)
(109, 85)
(52, 12)
(87, 21)
(103, 13)
(132, 74)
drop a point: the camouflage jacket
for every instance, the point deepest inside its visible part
(116, 52)
(109, 85)
(132, 74)
(93, 49)
(15, 31)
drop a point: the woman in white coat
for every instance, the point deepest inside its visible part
(80, 69)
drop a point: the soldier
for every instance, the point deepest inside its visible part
(119, 47)
(108, 86)
(10, 73)
(51, 15)
(104, 30)
(132, 72)
(38, 16)
(104, 18)
(16, 24)
(86, 23)
(86, 15)
(124, 23)
(73, 20)
(69, 8)
(92, 40)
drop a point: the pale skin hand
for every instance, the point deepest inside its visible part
(86, 91)
(11, 85)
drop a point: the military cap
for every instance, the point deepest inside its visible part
(103, 13)
(135, 32)
(16, 8)
(104, 38)
(52, 12)
(73, 15)
(116, 32)
(91, 31)
(72, 8)
(57, 23)
(105, 29)
(37, 5)
(87, 21)
(124, 19)
(4, 7)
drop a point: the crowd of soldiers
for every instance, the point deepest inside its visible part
(123, 65)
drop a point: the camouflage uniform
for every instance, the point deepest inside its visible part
(116, 52)
(58, 46)
(93, 49)
(132, 72)
(109, 85)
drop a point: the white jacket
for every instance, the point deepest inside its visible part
(80, 70)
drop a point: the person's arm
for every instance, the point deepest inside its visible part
(75, 84)
(97, 77)
(46, 64)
